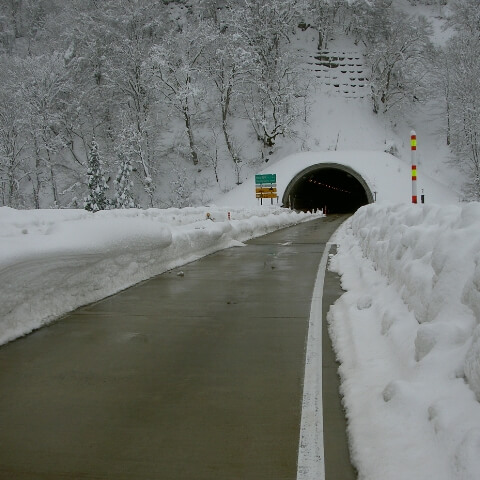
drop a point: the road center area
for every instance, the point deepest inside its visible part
(197, 373)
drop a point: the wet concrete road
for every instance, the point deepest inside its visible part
(182, 377)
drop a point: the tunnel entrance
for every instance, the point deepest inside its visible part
(338, 188)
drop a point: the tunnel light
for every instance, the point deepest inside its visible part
(316, 182)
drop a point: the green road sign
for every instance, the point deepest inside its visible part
(267, 178)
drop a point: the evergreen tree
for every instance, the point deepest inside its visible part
(97, 185)
(123, 184)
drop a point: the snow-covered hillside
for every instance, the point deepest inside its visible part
(341, 117)
(225, 118)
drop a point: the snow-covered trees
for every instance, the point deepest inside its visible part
(42, 97)
(153, 80)
(229, 68)
(11, 146)
(398, 63)
(322, 15)
(178, 75)
(459, 74)
(274, 100)
(111, 45)
(457, 83)
(273, 90)
(181, 190)
(398, 52)
(465, 16)
(265, 25)
(96, 199)
(123, 184)
(130, 144)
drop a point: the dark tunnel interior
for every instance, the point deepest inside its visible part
(332, 188)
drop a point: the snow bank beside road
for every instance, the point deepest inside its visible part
(408, 337)
(53, 261)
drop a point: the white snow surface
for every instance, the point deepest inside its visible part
(407, 335)
(388, 178)
(53, 261)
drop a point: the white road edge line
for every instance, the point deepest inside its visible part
(311, 464)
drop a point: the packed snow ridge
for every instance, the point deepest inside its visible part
(407, 335)
(53, 261)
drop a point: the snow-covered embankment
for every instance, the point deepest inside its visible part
(53, 261)
(407, 335)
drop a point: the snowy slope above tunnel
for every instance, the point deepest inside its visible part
(383, 176)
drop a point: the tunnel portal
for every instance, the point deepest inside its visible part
(335, 187)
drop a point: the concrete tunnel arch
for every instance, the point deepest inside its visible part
(337, 187)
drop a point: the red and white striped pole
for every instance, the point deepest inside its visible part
(413, 146)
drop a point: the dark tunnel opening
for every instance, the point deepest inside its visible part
(336, 188)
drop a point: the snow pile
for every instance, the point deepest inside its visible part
(407, 335)
(53, 261)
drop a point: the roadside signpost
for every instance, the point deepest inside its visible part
(413, 147)
(266, 187)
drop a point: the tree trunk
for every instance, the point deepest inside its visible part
(191, 140)
(448, 119)
(35, 192)
(36, 181)
(320, 40)
(11, 188)
(54, 186)
(228, 141)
